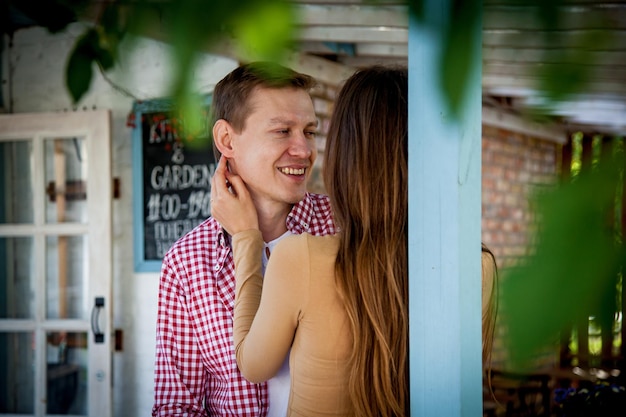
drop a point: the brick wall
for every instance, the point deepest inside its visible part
(514, 166)
(323, 100)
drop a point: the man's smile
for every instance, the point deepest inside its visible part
(292, 171)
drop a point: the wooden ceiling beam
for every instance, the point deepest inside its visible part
(605, 16)
(352, 15)
(354, 34)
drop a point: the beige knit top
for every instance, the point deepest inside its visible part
(299, 309)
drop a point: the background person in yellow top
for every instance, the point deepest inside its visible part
(339, 302)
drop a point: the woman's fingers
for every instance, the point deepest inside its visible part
(218, 182)
(237, 185)
(231, 204)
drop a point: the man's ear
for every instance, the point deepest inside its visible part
(223, 136)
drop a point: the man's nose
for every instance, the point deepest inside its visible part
(301, 146)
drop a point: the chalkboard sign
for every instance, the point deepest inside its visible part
(171, 181)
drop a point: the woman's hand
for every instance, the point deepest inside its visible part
(231, 204)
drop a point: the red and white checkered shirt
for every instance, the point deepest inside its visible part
(196, 371)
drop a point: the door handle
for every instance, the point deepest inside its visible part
(95, 315)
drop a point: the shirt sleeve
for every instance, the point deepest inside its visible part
(266, 313)
(178, 378)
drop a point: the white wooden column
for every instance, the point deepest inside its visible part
(444, 232)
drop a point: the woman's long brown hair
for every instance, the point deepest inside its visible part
(489, 310)
(366, 175)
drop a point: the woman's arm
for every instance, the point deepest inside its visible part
(264, 317)
(266, 313)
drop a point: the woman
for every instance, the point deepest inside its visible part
(489, 315)
(339, 303)
(489, 302)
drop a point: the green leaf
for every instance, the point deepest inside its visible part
(109, 34)
(416, 9)
(79, 70)
(192, 113)
(266, 31)
(90, 48)
(459, 52)
(574, 266)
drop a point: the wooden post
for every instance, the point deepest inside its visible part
(60, 180)
(444, 229)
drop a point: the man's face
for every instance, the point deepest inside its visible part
(275, 152)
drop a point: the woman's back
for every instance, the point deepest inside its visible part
(300, 281)
(322, 344)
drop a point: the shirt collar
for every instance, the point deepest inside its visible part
(299, 218)
(223, 239)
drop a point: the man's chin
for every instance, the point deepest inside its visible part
(295, 198)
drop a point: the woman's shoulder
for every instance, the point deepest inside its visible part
(313, 241)
(309, 244)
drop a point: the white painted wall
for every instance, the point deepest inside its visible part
(33, 81)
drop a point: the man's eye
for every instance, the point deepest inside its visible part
(311, 134)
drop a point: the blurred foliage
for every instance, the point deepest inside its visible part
(266, 30)
(458, 47)
(99, 45)
(577, 261)
(260, 29)
(571, 273)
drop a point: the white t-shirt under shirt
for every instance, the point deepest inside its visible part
(280, 384)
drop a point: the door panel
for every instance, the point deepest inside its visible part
(17, 180)
(55, 264)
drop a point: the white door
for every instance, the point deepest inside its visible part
(55, 264)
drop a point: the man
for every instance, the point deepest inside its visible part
(265, 127)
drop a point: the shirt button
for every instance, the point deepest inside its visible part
(216, 267)
(305, 225)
